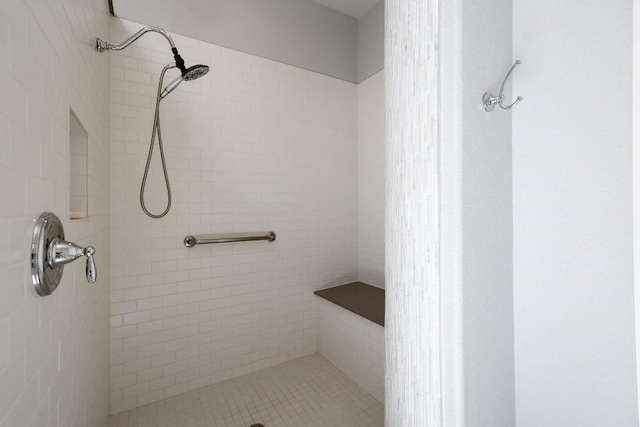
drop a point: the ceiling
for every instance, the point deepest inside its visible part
(355, 8)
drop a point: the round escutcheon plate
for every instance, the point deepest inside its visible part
(45, 278)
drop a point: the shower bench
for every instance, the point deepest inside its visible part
(351, 333)
(359, 298)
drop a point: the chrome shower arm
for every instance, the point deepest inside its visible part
(102, 45)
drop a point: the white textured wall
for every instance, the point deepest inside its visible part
(451, 235)
(476, 217)
(353, 344)
(53, 350)
(255, 145)
(412, 257)
(575, 361)
(636, 178)
(371, 180)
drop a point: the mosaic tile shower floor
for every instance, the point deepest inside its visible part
(306, 392)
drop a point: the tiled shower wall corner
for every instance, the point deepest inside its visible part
(255, 145)
(352, 343)
(371, 180)
(53, 350)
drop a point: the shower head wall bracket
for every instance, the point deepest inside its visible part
(489, 101)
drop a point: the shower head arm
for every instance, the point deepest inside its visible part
(102, 45)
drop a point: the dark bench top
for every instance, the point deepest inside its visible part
(362, 299)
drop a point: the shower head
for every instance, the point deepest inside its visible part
(195, 72)
(188, 74)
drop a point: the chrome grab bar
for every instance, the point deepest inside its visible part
(191, 241)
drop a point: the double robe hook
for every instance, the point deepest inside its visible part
(489, 101)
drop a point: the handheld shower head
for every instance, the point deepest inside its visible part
(171, 86)
(189, 74)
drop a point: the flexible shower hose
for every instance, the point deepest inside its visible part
(156, 129)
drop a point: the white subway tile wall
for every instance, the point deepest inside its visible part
(54, 368)
(352, 344)
(371, 180)
(255, 145)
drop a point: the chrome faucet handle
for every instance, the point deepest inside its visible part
(90, 269)
(62, 252)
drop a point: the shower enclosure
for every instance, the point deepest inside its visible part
(255, 145)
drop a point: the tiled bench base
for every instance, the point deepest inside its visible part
(352, 342)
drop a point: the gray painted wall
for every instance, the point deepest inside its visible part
(371, 42)
(295, 32)
(487, 219)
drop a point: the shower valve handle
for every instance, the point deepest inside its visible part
(90, 269)
(62, 252)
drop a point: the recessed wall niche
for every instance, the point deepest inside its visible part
(78, 143)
